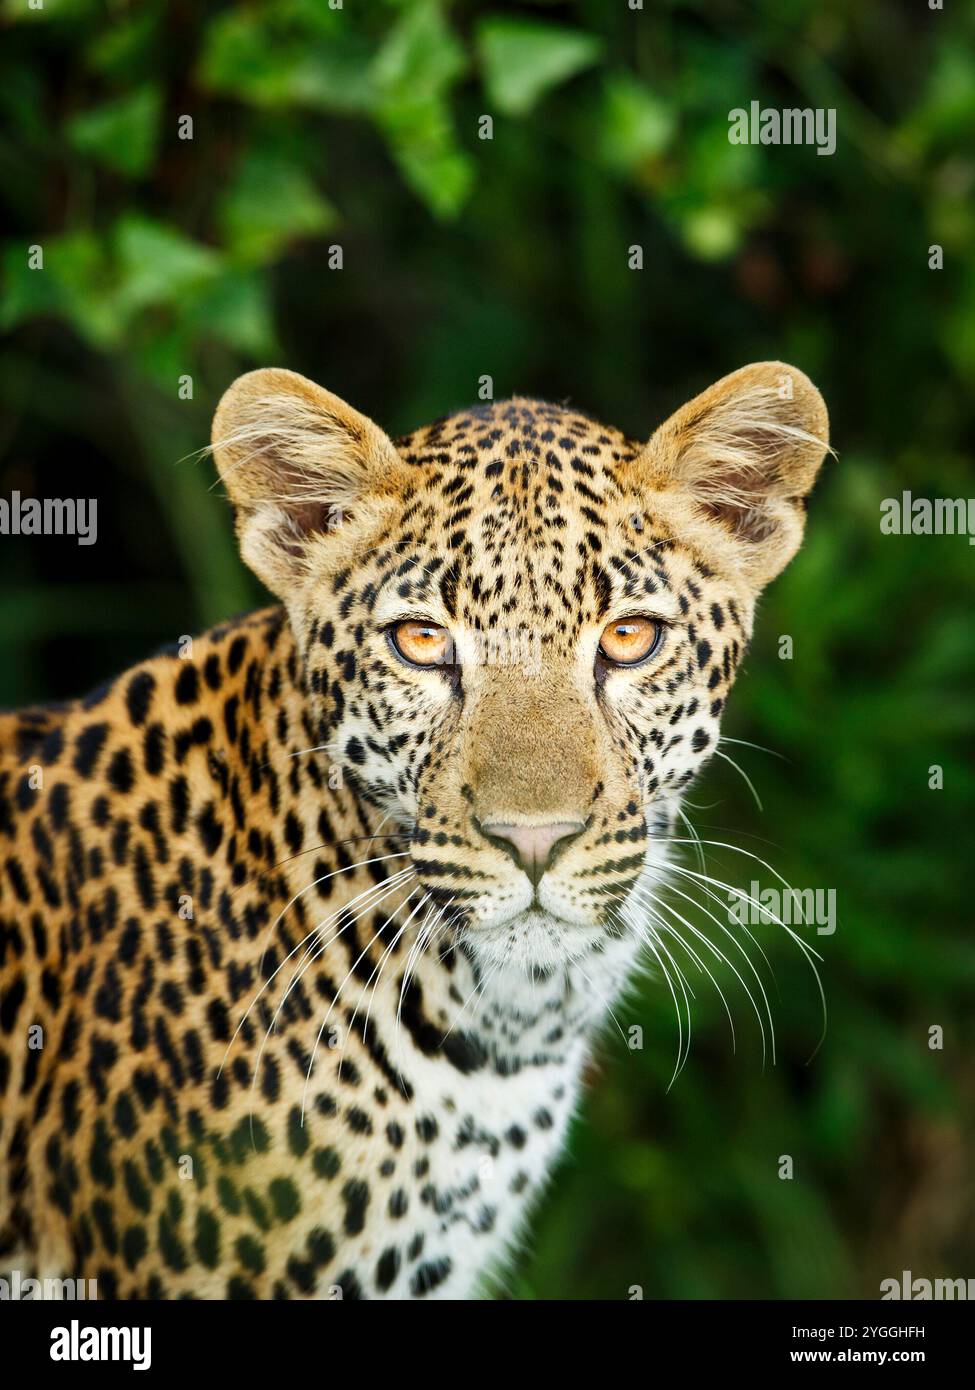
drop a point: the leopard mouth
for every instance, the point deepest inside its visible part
(535, 939)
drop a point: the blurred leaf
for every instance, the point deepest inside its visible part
(424, 145)
(413, 70)
(236, 310)
(157, 265)
(121, 134)
(26, 292)
(711, 232)
(246, 58)
(947, 112)
(269, 203)
(76, 283)
(636, 124)
(421, 58)
(958, 327)
(522, 60)
(22, 106)
(126, 45)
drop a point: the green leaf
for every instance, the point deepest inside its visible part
(269, 203)
(126, 46)
(413, 71)
(162, 352)
(421, 58)
(235, 309)
(248, 60)
(442, 176)
(710, 232)
(522, 60)
(636, 125)
(122, 134)
(75, 284)
(157, 265)
(23, 109)
(26, 293)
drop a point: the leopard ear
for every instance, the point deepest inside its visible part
(731, 469)
(298, 464)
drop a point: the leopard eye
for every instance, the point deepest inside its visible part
(628, 641)
(421, 644)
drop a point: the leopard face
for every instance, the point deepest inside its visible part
(520, 627)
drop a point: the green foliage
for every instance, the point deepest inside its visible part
(270, 203)
(167, 259)
(121, 134)
(414, 70)
(523, 60)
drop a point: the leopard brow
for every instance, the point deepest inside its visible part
(663, 605)
(402, 611)
(423, 605)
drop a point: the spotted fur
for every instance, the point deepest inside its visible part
(277, 1017)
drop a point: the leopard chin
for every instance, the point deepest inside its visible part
(532, 942)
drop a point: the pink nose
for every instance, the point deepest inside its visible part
(532, 846)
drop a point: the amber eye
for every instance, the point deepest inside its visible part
(422, 644)
(628, 641)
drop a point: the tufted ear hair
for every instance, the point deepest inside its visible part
(731, 469)
(298, 463)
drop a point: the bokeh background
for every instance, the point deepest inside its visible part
(358, 127)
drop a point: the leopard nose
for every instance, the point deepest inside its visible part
(532, 846)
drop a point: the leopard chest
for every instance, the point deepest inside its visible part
(442, 1192)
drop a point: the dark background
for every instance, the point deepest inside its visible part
(465, 257)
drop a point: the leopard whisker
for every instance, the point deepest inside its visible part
(652, 943)
(737, 849)
(705, 969)
(810, 955)
(688, 994)
(375, 895)
(412, 959)
(726, 930)
(759, 746)
(318, 1039)
(397, 1035)
(315, 748)
(712, 896)
(313, 849)
(743, 775)
(304, 965)
(651, 904)
(696, 932)
(378, 967)
(695, 836)
(324, 878)
(334, 916)
(575, 965)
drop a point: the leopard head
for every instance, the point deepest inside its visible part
(519, 627)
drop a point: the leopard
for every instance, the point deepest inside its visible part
(310, 926)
